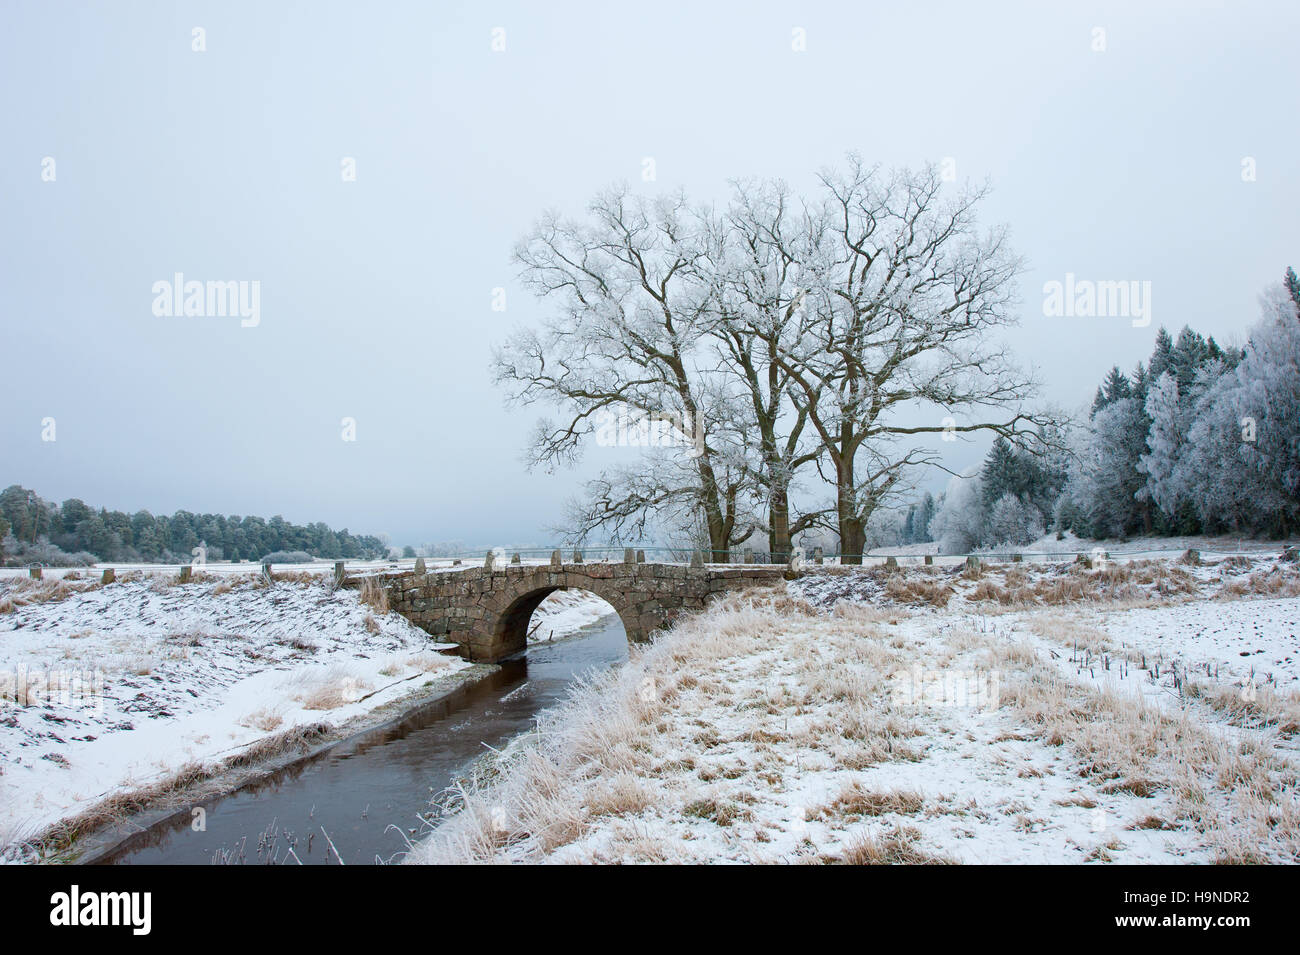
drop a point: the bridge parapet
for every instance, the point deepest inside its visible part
(486, 611)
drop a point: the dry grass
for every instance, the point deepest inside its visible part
(265, 719)
(25, 591)
(896, 846)
(1281, 580)
(1138, 582)
(374, 595)
(905, 589)
(326, 688)
(1126, 744)
(1264, 707)
(856, 800)
(622, 795)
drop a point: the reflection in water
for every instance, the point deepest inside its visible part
(367, 793)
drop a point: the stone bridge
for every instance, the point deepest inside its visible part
(485, 610)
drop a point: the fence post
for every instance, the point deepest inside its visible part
(110, 575)
(266, 571)
(185, 573)
(338, 571)
(818, 555)
(34, 573)
(929, 559)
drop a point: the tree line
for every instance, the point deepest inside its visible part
(1200, 439)
(33, 530)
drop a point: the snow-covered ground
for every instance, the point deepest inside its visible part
(109, 689)
(1098, 715)
(1048, 546)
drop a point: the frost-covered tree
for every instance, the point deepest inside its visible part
(1104, 479)
(1244, 446)
(905, 297)
(924, 517)
(633, 311)
(1165, 437)
(961, 522)
(1013, 521)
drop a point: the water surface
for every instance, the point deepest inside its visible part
(358, 791)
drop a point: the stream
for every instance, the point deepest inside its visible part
(369, 792)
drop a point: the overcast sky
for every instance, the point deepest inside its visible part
(226, 164)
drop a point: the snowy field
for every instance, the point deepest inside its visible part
(108, 690)
(1139, 712)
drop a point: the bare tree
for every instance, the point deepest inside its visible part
(754, 263)
(633, 311)
(904, 296)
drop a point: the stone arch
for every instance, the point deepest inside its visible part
(506, 630)
(485, 610)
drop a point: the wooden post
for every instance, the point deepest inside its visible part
(891, 563)
(110, 575)
(34, 573)
(338, 571)
(818, 555)
(929, 559)
(266, 571)
(185, 573)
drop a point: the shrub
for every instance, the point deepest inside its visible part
(288, 557)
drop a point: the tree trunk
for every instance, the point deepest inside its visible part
(853, 526)
(778, 536)
(853, 540)
(720, 551)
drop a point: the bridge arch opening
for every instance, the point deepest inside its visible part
(551, 612)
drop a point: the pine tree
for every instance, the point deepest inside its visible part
(926, 516)
(1190, 353)
(1000, 474)
(1161, 356)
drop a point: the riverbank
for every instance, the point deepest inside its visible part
(1136, 713)
(145, 694)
